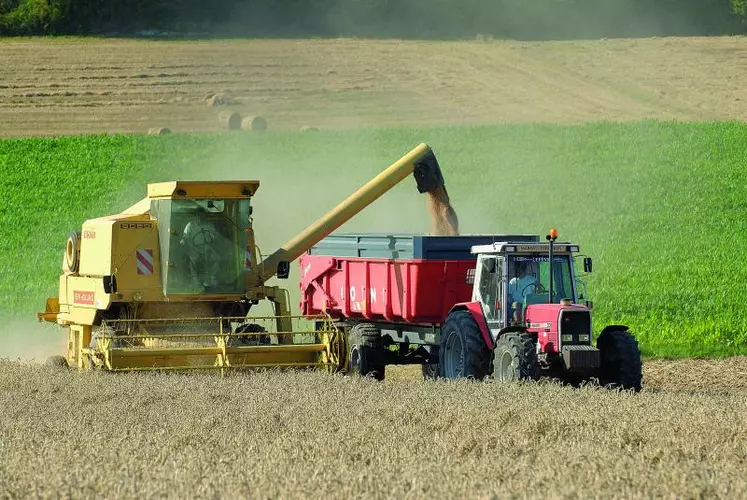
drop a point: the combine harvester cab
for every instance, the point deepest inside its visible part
(169, 282)
(465, 306)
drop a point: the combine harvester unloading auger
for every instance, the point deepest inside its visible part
(168, 284)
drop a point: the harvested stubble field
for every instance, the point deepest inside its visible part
(274, 435)
(74, 85)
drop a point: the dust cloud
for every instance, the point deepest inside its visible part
(28, 340)
(301, 184)
(518, 19)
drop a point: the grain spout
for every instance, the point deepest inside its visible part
(443, 215)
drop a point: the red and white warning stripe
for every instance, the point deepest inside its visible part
(144, 262)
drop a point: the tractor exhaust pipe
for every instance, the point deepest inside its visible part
(551, 237)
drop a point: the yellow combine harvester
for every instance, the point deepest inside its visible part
(169, 282)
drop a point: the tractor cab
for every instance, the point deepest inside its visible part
(533, 287)
(512, 276)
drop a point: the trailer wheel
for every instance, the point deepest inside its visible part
(365, 352)
(430, 370)
(515, 358)
(620, 360)
(462, 353)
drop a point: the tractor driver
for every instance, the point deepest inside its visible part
(199, 239)
(523, 283)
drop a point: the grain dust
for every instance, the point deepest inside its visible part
(443, 216)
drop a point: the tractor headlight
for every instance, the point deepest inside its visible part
(566, 337)
(584, 337)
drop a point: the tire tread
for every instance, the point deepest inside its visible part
(476, 353)
(522, 347)
(621, 364)
(368, 338)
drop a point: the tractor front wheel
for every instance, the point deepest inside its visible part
(462, 353)
(620, 360)
(365, 352)
(515, 358)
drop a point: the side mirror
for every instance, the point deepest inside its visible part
(283, 269)
(587, 264)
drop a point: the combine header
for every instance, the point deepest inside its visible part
(169, 282)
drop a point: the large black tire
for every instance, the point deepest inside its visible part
(365, 352)
(515, 358)
(620, 360)
(462, 352)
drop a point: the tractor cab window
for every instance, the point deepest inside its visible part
(529, 279)
(489, 286)
(203, 245)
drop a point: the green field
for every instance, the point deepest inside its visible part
(659, 205)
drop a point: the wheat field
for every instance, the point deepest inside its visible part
(314, 435)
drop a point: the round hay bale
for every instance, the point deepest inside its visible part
(214, 100)
(307, 128)
(158, 131)
(230, 120)
(254, 123)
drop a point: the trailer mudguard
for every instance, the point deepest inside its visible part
(475, 309)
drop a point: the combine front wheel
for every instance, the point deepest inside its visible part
(57, 362)
(620, 360)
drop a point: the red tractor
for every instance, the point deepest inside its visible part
(466, 306)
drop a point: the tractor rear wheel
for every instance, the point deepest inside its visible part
(462, 353)
(365, 352)
(620, 360)
(515, 358)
